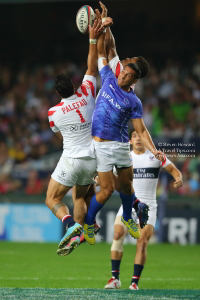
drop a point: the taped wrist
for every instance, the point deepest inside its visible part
(100, 63)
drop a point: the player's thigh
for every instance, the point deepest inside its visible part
(106, 181)
(117, 183)
(79, 191)
(56, 190)
(125, 177)
(91, 191)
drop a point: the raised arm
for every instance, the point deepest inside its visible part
(110, 46)
(101, 44)
(145, 137)
(92, 55)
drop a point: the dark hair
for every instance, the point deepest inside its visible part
(143, 66)
(63, 85)
(131, 132)
(136, 69)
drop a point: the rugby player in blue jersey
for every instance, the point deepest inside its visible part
(116, 105)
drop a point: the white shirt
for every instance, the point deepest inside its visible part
(146, 171)
(72, 117)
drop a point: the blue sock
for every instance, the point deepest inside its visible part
(127, 202)
(137, 273)
(115, 268)
(68, 221)
(92, 211)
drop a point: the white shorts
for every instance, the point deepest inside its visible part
(152, 214)
(71, 171)
(110, 154)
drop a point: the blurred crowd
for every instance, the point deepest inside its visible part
(171, 104)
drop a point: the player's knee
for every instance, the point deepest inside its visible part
(47, 201)
(118, 235)
(108, 191)
(126, 187)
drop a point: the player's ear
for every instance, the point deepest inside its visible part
(134, 81)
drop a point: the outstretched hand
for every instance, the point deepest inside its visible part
(96, 29)
(104, 12)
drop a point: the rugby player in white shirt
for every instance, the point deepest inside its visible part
(71, 121)
(146, 171)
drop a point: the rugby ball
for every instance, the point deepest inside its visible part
(85, 16)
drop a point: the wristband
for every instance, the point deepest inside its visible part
(104, 19)
(92, 41)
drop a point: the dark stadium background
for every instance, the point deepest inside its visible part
(40, 40)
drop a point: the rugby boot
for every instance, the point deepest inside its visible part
(89, 235)
(132, 228)
(66, 250)
(113, 284)
(72, 231)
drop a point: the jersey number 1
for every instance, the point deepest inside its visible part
(80, 115)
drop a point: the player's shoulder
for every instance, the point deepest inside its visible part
(55, 108)
(151, 158)
(88, 84)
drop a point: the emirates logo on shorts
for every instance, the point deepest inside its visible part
(63, 174)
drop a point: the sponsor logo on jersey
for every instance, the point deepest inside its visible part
(126, 101)
(73, 128)
(63, 174)
(151, 157)
(84, 126)
(151, 173)
(111, 100)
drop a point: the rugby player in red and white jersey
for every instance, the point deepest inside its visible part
(71, 121)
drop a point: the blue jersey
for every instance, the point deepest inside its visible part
(114, 108)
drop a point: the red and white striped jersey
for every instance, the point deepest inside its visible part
(116, 66)
(72, 117)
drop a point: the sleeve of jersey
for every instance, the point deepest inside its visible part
(116, 66)
(106, 73)
(165, 163)
(88, 87)
(51, 121)
(137, 112)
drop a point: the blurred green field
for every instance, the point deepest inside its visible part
(31, 265)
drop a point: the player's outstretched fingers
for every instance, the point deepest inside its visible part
(98, 15)
(104, 10)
